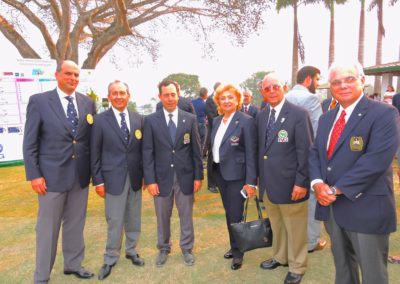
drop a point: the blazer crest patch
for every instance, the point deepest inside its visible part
(89, 118)
(138, 134)
(235, 140)
(356, 144)
(186, 138)
(283, 136)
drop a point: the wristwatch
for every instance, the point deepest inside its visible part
(333, 190)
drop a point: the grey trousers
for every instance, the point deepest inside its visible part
(123, 213)
(313, 226)
(70, 209)
(352, 250)
(164, 206)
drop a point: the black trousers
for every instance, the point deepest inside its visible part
(233, 203)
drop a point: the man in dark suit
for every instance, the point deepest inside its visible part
(328, 104)
(116, 163)
(351, 174)
(396, 101)
(172, 168)
(56, 156)
(211, 112)
(200, 107)
(183, 103)
(284, 137)
(247, 107)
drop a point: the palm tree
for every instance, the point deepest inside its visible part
(361, 34)
(330, 4)
(297, 43)
(381, 33)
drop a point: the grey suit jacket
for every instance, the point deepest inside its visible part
(50, 149)
(283, 163)
(111, 158)
(163, 157)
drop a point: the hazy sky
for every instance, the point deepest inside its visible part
(270, 49)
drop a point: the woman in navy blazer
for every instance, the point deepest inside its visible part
(234, 146)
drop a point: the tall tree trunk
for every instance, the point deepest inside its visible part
(381, 33)
(332, 34)
(295, 55)
(361, 34)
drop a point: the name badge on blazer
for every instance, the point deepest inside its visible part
(234, 141)
(283, 136)
(186, 138)
(356, 144)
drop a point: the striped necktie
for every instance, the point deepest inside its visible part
(72, 115)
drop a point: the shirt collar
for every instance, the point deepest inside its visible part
(117, 112)
(174, 113)
(62, 94)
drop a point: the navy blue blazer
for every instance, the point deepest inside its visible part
(360, 166)
(162, 157)
(183, 103)
(238, 150)
(50, 150)
(283, 163)
(325, 104)
(200, 106)
(396, 101)
(111, 158)
(252, 111)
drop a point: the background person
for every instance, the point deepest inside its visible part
(247, 107)
(200, 107)
(233, 144)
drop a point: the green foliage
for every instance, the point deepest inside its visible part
(131, 106)
(95, 97)
(190, 85)
(252, 84)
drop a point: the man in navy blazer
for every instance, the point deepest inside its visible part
(284, 137)
(396, 101)
(200, 107)
(172, 168)
(117, 170)
(351, 174)
(247, 107)
(56, 156)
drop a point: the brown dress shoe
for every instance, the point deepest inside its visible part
(321, 244)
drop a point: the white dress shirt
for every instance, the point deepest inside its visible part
(174, 116)
(118, 117)
(218, 138)
(65, 102)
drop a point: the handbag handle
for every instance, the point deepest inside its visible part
(258, 209)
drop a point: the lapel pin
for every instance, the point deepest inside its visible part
(236, 122)
(282, 119)
(183, 121)
(359, 114)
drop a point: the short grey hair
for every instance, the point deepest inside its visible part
(346, 64)
(117, 82)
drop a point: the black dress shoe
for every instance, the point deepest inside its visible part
(104, 271)
(81, 273)
(136, 260)
(213, 189)
(293, 278)
(271, 264)
(236, 263)
(228, 254)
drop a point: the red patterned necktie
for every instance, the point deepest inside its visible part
(336, 132)
(333, 104)
(245, 109)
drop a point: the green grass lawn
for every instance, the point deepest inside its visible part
(18, 208)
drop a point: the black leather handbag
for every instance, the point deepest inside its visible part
(254, 234)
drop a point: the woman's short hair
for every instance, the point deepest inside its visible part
(230, 88)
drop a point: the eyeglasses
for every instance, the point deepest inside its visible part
(347, 80)
(272, 88)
